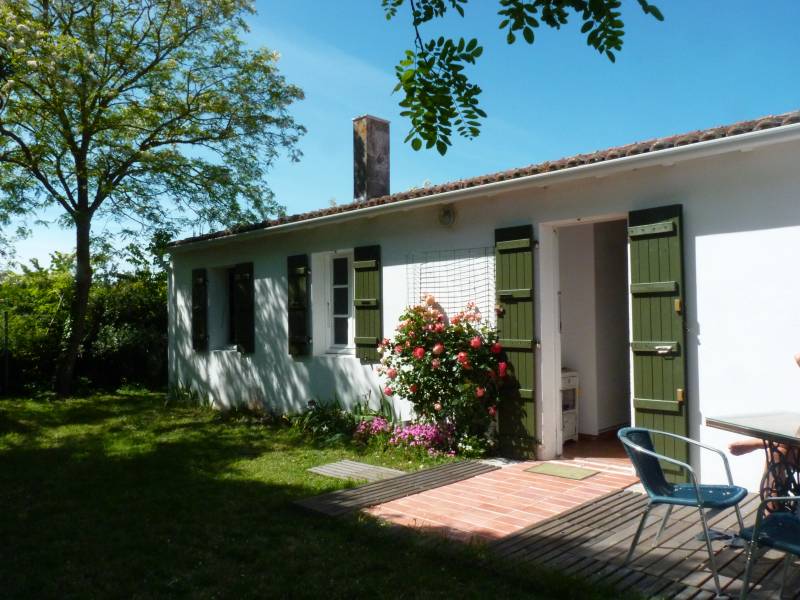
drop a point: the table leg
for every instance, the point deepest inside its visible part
(782, 477)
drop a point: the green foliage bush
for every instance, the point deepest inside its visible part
(450, 369)
(126, 338)
(326, 421)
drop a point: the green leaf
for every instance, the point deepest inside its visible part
(416, 144)
(527, 33)
(441, 148)
(511, 38)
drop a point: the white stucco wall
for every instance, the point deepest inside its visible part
(611, 318)
(742, 242)
(578, 318)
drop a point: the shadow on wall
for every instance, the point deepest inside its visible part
(270, 376)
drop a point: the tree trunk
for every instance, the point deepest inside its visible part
(80, 305)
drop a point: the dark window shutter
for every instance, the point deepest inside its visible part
(244, 308)
(199, 310)
(367, 302)
(515, 324)
(658, 344)
(299, 279)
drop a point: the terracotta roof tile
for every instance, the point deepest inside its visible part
(644, 147)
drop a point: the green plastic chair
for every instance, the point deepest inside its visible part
(638, 443)
(778, 530)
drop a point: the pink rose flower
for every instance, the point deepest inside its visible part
(438, 348)
(462, 358)
(398, 349)
(419, 353)
(388, 391)
(436, 363)
(439, 327)
(497, 348)
(475, 342)
(413, 388)
(392, 373)
(492, 410)
(437, 406)
(479, 392)
(502, 368)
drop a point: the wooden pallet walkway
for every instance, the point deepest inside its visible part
(592, 541)
(351, 469)
(343, 502)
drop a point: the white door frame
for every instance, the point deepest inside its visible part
(550, 430)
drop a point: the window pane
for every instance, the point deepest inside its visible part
(340, 301)
(340, 271)
(340, 331)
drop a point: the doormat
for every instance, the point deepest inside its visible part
(565, 471)
(350, 469)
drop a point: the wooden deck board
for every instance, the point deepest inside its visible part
(592, 541)
(350, 469)
(342, 502)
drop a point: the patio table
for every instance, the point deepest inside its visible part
(780, 434)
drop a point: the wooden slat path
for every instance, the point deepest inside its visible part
(342, 502)
(351, 469)
(592, 540)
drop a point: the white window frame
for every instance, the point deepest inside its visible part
(322, 304)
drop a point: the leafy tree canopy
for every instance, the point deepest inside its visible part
(107, 103)
(151, 112)
(438, 95)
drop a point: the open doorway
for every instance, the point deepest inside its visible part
(593, 329)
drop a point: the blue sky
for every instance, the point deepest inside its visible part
(709, 63)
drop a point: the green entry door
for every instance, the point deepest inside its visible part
(658, 341)
(515, 324)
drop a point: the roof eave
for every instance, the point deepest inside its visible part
(665, 157)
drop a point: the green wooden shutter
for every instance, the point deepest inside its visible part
(244, 308)
(367, 302)
(299, 279)
(515, 324)
(199, 310)
(658, 343)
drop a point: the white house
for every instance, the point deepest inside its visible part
(664, 273)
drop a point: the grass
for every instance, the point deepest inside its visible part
(118, 496)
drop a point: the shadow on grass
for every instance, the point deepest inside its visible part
(204, 511)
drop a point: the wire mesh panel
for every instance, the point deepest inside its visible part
(454, 277)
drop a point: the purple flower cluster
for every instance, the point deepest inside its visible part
(426, 436)
(370, 428)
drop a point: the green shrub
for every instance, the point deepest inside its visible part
(126, 334)
(451, 370)
(326, 421)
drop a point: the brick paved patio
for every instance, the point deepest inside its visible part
(496, 504)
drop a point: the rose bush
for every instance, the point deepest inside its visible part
(451, 370)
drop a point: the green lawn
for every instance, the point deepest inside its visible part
(118, 496)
